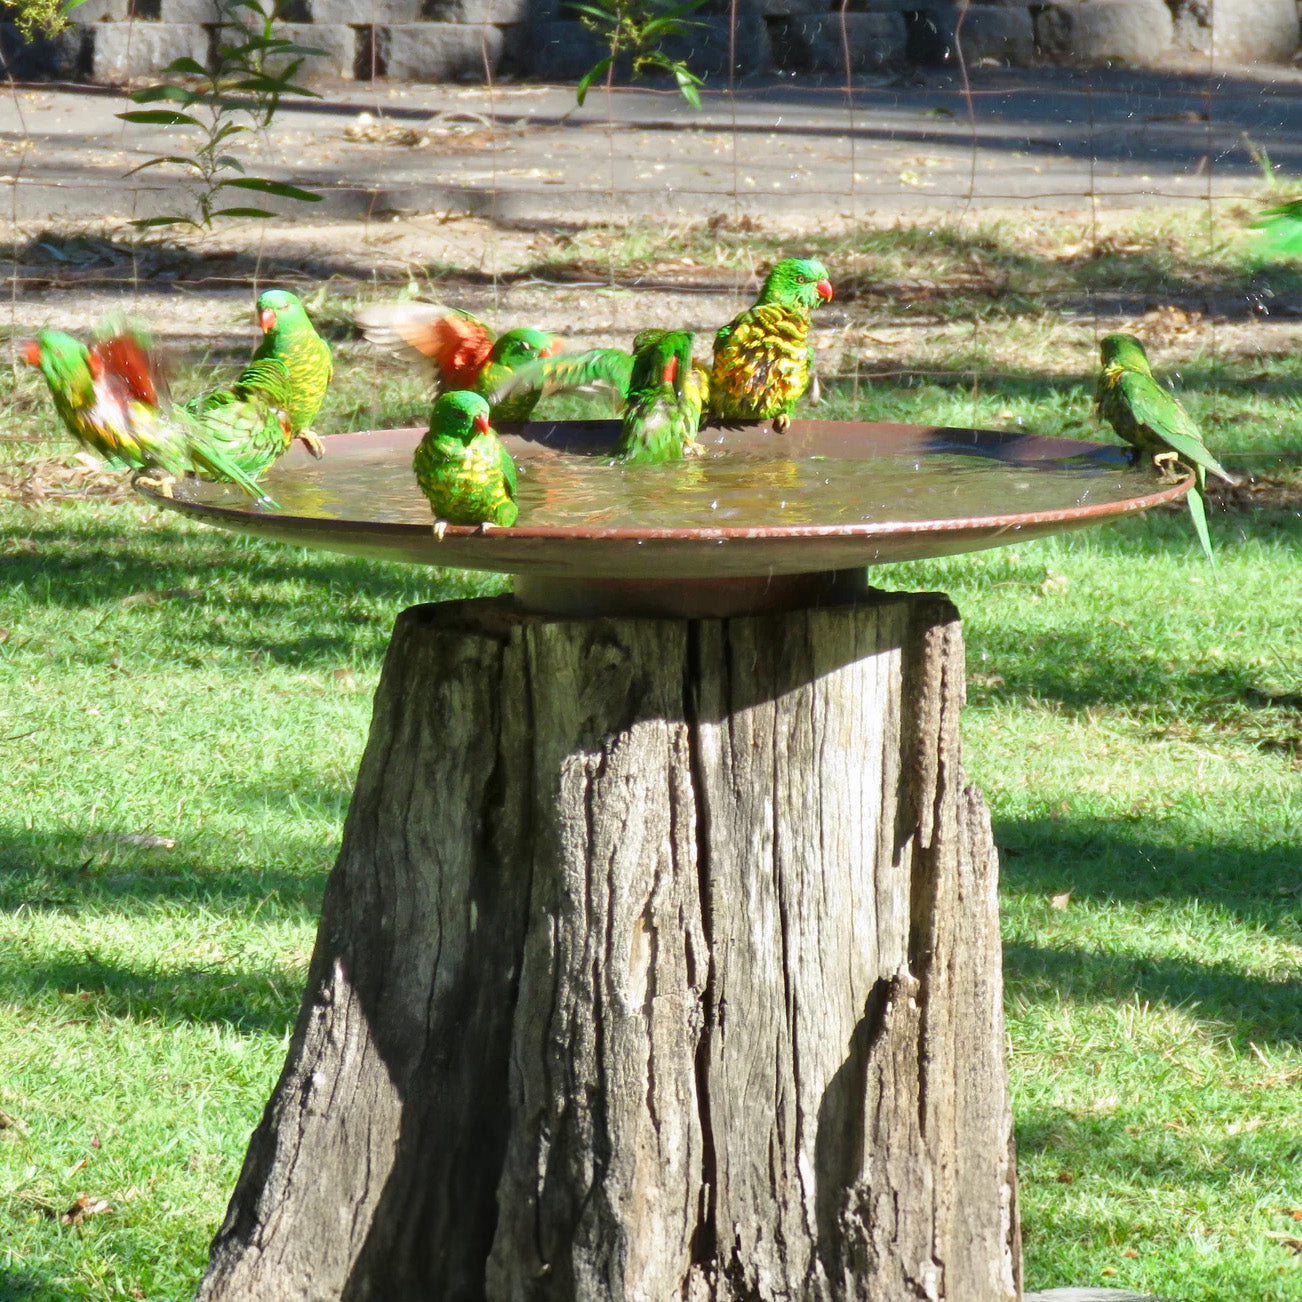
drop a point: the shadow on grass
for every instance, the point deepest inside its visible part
(90, 988)
(1251, 1009)
(1113, 861)
(75, 875)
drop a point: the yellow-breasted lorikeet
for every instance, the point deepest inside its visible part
(462, 467)
(763, 361)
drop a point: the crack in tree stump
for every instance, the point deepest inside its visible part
(660, 961)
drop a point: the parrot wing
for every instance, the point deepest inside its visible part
(1281, 229)
(454, 343)
(1152, 406)
(598, 368)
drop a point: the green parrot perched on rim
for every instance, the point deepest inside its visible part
(289, 337)
(665, 395)
(763, 361)
(462, 467)
(463, 352)
(1144, 414)
(112, 398)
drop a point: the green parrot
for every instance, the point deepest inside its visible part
(289, 337)
(252, 417)
(1281, 229)
(112, 399)
(462, 467)
(665, 395)
(463, 352)
(763, 361)
(1144, 414)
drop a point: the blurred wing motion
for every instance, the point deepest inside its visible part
(112, 399)
(608, 369)
(665, 395)
(453, 344)
(1150, 419)
(461, 351)
(1281, 230)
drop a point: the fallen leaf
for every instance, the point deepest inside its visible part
(84, 1206)
(1060, 901)
(1130, 1252)
(1294, 1212)
(164, 594)
(8, 1122)
(4, 635)
(1107, 1270)
(345, 676)
(94, 1142)
(145, 841)
(1066, 1177)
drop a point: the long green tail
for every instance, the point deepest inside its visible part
(220, 466)
(1198, 510)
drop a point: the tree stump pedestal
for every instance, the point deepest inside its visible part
(661, 961)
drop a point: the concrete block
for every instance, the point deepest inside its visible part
(813, 43)
(560, 50)
(477, 11)
(124, 50)
(704, 48)
(187, 11)
(103, 11)
(1129, 31)
(1240, 31)
(438, 51)
(337, 43)
(364, 13)
(997, 32)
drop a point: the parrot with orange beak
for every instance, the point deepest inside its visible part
(462, 467)
(763, 361)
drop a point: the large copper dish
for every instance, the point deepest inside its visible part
(727, 568)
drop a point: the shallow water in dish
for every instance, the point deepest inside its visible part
(723, 490)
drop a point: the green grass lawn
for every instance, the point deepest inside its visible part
(182, 712)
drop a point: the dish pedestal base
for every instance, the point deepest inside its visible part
(661, 960)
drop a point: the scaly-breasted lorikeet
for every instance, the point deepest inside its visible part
(463, 352)
(462, 467)
(289, 337)
(112, 398)
(1144, 414)
(763, 361)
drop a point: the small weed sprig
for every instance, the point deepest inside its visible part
(639, 29)
(242, 93)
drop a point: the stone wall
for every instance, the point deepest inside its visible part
(443, 40)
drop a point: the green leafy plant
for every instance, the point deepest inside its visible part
(638, 29)
(251, 73)
(35, 18)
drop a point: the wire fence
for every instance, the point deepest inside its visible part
(1045, 150)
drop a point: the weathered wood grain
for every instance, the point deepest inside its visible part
(660, 961)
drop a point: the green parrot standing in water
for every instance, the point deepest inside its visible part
(463, 352)
(1147, 417)
(289, 337)
(665, 393)
(462, 467)
(763, 361)
(112, 399)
